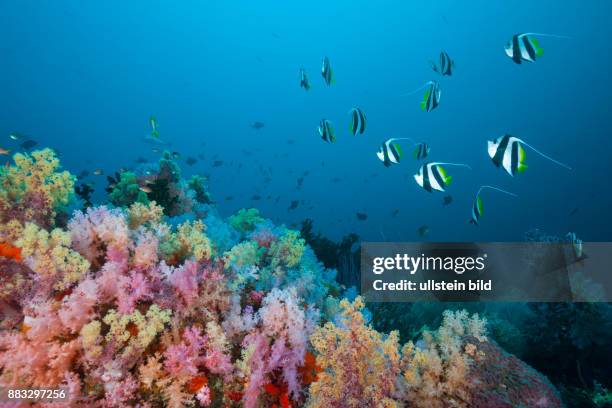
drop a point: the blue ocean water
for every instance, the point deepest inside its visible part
(84, 78)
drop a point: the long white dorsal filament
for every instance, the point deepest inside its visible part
(549, 35)
(545, 156)
(494, 188)
(452, 164)
(418, 89)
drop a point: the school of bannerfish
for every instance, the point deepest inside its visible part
(506, 152)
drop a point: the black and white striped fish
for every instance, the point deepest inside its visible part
(390, 152)
(432, 176)
(446, 65)
(304, 82)
(421, 151)
(358, 121)
(525, 47)
(327, 72)
(431, 99)
(477, 207)
(507, 152)
(326, 131)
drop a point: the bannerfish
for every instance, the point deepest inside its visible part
(432, 176)
(421, 150)
(477, 207)
(326, 130)
(446, 65)
(358, 121)
(431, 98)
(525, 47)
(327, 72)
(390, 152)
(153, 124)
(304, 82)
(507, 151)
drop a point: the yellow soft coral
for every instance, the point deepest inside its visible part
(135, 331)
(36, 174)
(188, 241)
(359, 366)
(435, 371)
(50, 256)
(90, 338)
(288, 250)
(141, 214)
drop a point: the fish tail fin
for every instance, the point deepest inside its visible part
(155, 133)
(546, 157)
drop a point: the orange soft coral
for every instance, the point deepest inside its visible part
(10, 251)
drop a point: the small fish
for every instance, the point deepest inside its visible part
(447, 200)
(4, 151)
(28, 144)
(300, 181)
(257, 125)
(390, 152)
(256, 197)
(573, 211)
(431, 98)
(507, 152)
(304, 82)
(477, 207)
(153, 124)
(98, 172)
(421, 151)
(190, 161)
(336, 179)
(294, 204)
(176, 155)
(217, 163)
(361, 216)
(358, 121)
(145, 189)
(141, 160)
(16, 136)
(423, 230)
(446, 65)
(327, 72)
(229, 198)
(326, 130)
(155, 150)
(395, 212)
(525, 47)
(432, 176)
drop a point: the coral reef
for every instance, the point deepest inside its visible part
(157, 301)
